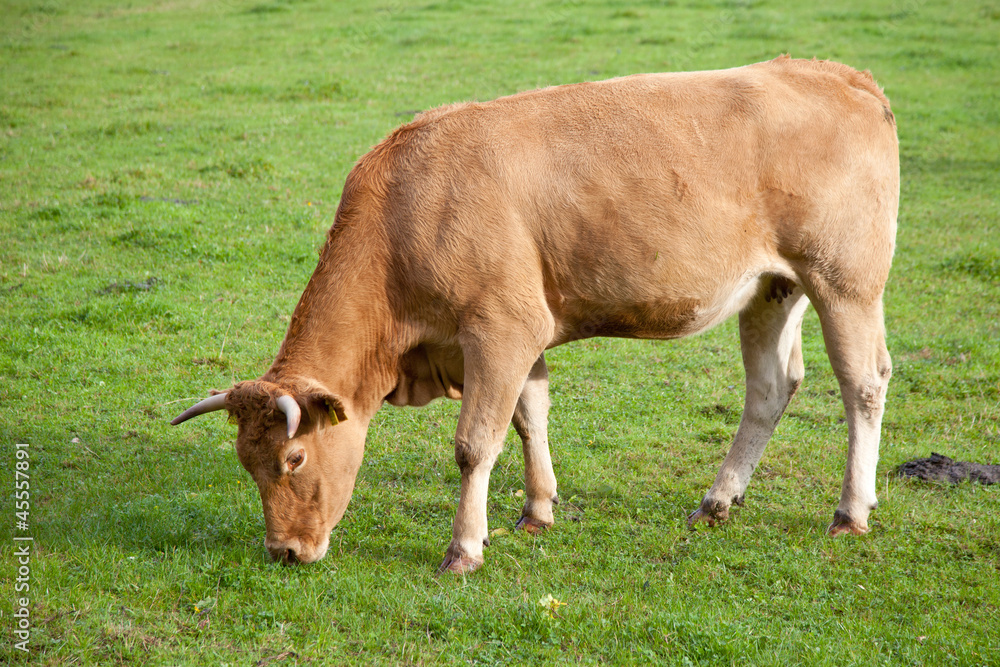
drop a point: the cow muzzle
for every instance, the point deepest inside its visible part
(295, 551)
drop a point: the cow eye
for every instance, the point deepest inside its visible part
(295, 459)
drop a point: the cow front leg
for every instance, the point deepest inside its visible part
(470, 532)
(497, 366)
(855, 342)
(771, 343)
(531, 423)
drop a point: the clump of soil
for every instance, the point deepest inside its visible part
(129, 286)
(940, 468)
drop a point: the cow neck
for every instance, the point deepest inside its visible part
(339, 334)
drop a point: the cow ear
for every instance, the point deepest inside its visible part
(331, 405)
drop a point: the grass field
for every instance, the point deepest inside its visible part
(167, 173)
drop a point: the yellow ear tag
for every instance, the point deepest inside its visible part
(333, 414)
(232, 420)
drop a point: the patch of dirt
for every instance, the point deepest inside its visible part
(939, 468)
(170, 200)
(129, 286)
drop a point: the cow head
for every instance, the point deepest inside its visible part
(303, 450)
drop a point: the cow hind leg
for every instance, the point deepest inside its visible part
(531, 423)
(855, 343)
(771, 344)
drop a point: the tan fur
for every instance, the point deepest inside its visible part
(653, 206)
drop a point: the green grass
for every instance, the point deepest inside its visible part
(167, 173)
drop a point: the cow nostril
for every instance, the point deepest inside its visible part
(290, 557)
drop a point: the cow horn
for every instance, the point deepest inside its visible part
(292, 412)
(210, 404)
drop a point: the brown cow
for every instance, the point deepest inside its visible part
(652, 206)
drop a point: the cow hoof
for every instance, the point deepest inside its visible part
(698, 516)
(460, 564)
(530, 525)
(842, 523)
(711, 518)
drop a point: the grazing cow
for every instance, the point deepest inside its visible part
(651, 206)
